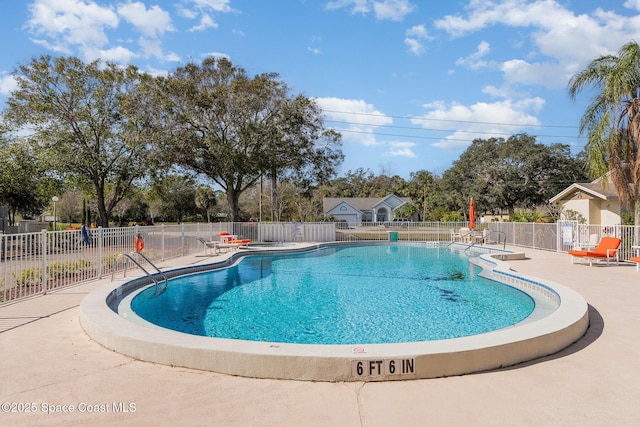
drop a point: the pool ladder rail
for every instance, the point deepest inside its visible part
(130, 256)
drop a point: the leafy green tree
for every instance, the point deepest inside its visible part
(612, 120)
(25, 187)
(138, 210)
(426, 195)
(364, 183)
(502, 175)
(298, 149)
(69, 207)
(538, 214)
(383, 185)
(406, 211)
(233, 129)
(133, 209)
(89, 120)
(206, 200)
(176, 197)
(356, 183)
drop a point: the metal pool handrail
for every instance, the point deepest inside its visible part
(130, 256)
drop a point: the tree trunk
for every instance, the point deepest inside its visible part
(103, 216)
(233, 198)
(275, 216)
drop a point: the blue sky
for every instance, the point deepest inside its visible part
(408, 83)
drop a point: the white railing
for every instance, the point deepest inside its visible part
(563, 236)
(34, 263)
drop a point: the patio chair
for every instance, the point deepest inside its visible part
(465, 234)
(232, 239)
(607, 249)
(210, 248)
(455, 235)
(592, 243)
(636, 256)
(483, 238)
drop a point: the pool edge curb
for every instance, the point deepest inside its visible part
(430, 359)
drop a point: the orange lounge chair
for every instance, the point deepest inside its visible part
(606, 249)
(227, 238)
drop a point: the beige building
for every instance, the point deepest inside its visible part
(597, 201)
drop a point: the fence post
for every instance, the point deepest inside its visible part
(43, 248)
(182, 240)
(100, 251)
(162, 249)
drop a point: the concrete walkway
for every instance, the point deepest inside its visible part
(47, 362)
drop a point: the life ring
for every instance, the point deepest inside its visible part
(139, 244)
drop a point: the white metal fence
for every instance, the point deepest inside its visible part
(34, 263)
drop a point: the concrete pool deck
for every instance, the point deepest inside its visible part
(47, 359)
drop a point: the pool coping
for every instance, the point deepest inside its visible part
(371, 362)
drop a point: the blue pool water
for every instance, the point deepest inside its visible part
(339, 295)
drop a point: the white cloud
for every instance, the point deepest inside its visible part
(7, 84)
(79, 27)
(118, 55)
(564, 41)
(215, 5)
(152, 22)
(541, 73)
(357, 6)
(480, 120)
(356, 119)
(172, 57)
(68, 23)
(151, 47)
(215, 55)
(157, 72)
(474, 61)
(186, 12)
(206, 21)
(401, 149)
(393, 10)
(415, 46)
(192, 9)
(415, 36)
(632, 4)
(514, 13)
(55, 47)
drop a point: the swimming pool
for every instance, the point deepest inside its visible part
(339, 295)
(560, 318)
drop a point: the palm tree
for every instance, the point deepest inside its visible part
(612, 120)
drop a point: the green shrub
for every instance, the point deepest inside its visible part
(55, 271)
(454, 216)
(30, 277)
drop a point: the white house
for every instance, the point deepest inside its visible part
(356, 210)
(597, 201)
